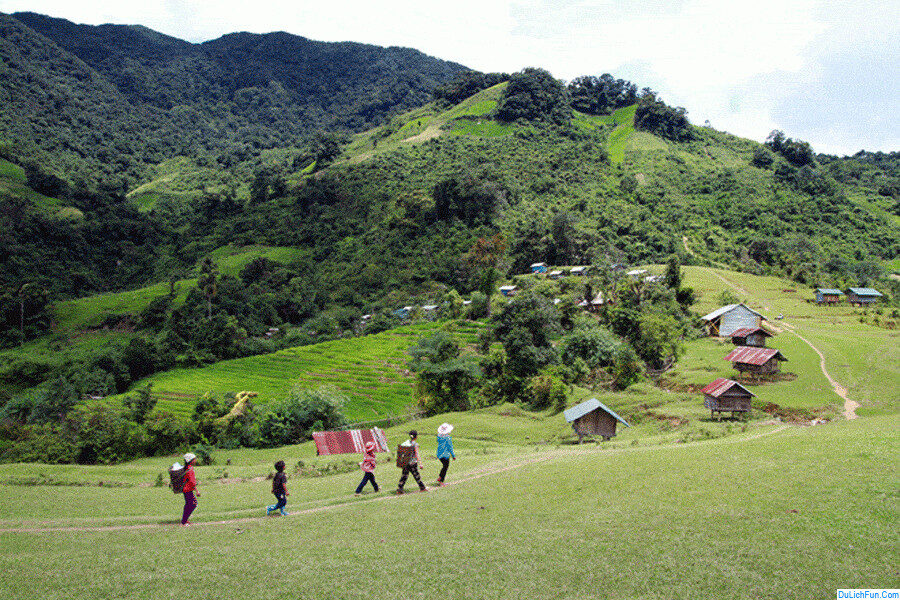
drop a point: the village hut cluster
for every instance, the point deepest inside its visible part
(750, 357)
(855, 296)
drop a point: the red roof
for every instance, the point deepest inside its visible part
(745, 331)
(722, 385)
(349, 441)
(753, 356)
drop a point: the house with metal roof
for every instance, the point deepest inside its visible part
(725, 320)
(756, 360)
(556, 274)
(578, 271)
(828, 296)
(508, 290)
(725, 395)
(539, 267)
(750, 336)
(592, 417)
(863, 296)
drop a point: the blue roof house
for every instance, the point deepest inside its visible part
(592, 417)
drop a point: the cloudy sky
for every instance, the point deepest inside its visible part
(824, 71)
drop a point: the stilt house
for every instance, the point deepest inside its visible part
(725, 395)
(756, 360)
(723, 321)
(862, 296)
(592, 417)
(750, 336)
(828, 296)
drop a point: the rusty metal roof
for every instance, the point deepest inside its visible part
(754, 356)
(722, 385)
(579, 410)
(745, 331)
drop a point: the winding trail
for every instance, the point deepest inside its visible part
(850, 406)
(468, 478)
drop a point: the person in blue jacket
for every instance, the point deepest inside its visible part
(444, 449)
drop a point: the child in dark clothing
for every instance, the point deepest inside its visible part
(279, 488)
(368, 467)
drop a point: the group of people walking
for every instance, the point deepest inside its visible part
(408, 460)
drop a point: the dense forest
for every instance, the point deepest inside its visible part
(128, 158)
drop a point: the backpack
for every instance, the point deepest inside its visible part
(404, 453)
(176, 478)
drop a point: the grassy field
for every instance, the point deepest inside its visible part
(370, 370)
(772, 512)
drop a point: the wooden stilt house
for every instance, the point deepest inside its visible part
(592, 417)
(725, 395)
(759, 361)
(750, 336)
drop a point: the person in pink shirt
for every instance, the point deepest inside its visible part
(190, 486)
(368, 467)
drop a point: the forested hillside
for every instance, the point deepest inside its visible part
(93, 104)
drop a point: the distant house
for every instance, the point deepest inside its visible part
(725, 395)
(828, 296)
(508, 290)
(430, 311)
(750, 336)
(636, 273)
(756, 360)
(654, 278)
(862, 296)
(592, 417)
(723, 321)
(578, 271)
(539, 267)
(555, 274)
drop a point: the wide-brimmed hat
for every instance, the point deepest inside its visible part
(189, 457)
(445, 429)
(370, 446)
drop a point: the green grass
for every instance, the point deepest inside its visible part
(12, 172)
(370, 370)
(618, 139)
(797, 512)
(485, 128)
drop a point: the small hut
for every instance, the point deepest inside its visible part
(723, 321)
(509, 290)
(539, 267)
(556, 274)
(758, 361)
(725, 395)
(750, 336)
(828, 296)
(578, 271)
(863, 296)
(592, 417)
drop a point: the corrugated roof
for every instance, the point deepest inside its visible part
(865, 292)
(753, 356)
(722, 385)
(830, 291)
(745, 331)
(727, 308)
(579, 410)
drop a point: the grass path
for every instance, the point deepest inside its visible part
(850, 406)
(491, 469)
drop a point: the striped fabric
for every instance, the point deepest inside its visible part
(349, 442)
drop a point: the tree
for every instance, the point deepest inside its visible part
(444, 376)
(535, 95)
(657, 117)
(525, 327)
(208, 283)
(673, 273)
(601, 95)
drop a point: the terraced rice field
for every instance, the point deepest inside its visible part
(370, 370)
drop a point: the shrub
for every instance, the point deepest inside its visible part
(293, 419)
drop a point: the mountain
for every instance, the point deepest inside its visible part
(82, 97)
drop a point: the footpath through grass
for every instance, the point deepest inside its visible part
(771, 513)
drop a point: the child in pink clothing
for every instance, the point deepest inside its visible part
(368, 467)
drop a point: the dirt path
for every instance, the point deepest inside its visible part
(684, 240)
(850, 406)
(468, 478)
